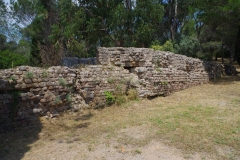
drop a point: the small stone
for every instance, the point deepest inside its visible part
(44, 88)
(37, 110)
(35, 85)
(43, 100)
(35, 80)
(42, 84)
(22, 68)
(141, 69)
(23, 86)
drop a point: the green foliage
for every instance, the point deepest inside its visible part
(57, 100)
(13, 78)
(23, 48)
(76, 30)
(3, 41)
(167, 46)
(187, 46)
(69, 98)
(45, 74)
(9, 59)
(62, 82)
(11, 46)
(119, 96)
(35, 58)
(164, 83)
(210, 49)
(221, 23)
(2, 8)
(189, 28)
(110, 80)
(63, 28)
(148, 15)
(158, 70)
(110, 99)
(29, 75)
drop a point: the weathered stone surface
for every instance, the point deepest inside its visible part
(160, 72)
(74, 62)
(57, 89)
(37, 110)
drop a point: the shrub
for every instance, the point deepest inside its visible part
(207, 56)
(164, 83)
(69, 98)
(9, 59)
(29, 75)
(110, 80)
(167, 46)
(210, 49)
(45, 74)
(109, 97)
(58, 100)
(62, 82)
(158, 70)
(188, 46)
(13, 78)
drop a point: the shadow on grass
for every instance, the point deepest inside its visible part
(85, 117)
(71, 122)
(83, 125)
(15, 144)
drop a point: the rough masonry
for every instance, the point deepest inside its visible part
(27, 92)
(160, 72)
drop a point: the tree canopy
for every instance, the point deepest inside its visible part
(45, 31)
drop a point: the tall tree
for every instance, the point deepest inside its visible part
(42, 15)
(176, 13)
(223, 17)
(3, 12)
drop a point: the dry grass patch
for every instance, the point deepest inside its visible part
(198, 128)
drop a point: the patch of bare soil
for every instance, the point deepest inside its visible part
(128, 144)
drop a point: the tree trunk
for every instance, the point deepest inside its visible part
(51, 51)
(128, 4)
(51, 55)
(173, 19)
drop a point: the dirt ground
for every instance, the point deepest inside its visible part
(154, 150)
(201, 122)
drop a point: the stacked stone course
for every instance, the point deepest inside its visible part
(159, 72)
(26, 92)
(50, 91)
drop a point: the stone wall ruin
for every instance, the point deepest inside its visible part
(27, 92)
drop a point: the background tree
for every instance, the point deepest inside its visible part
(3, 14)
(221, 18)
(45, 31)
